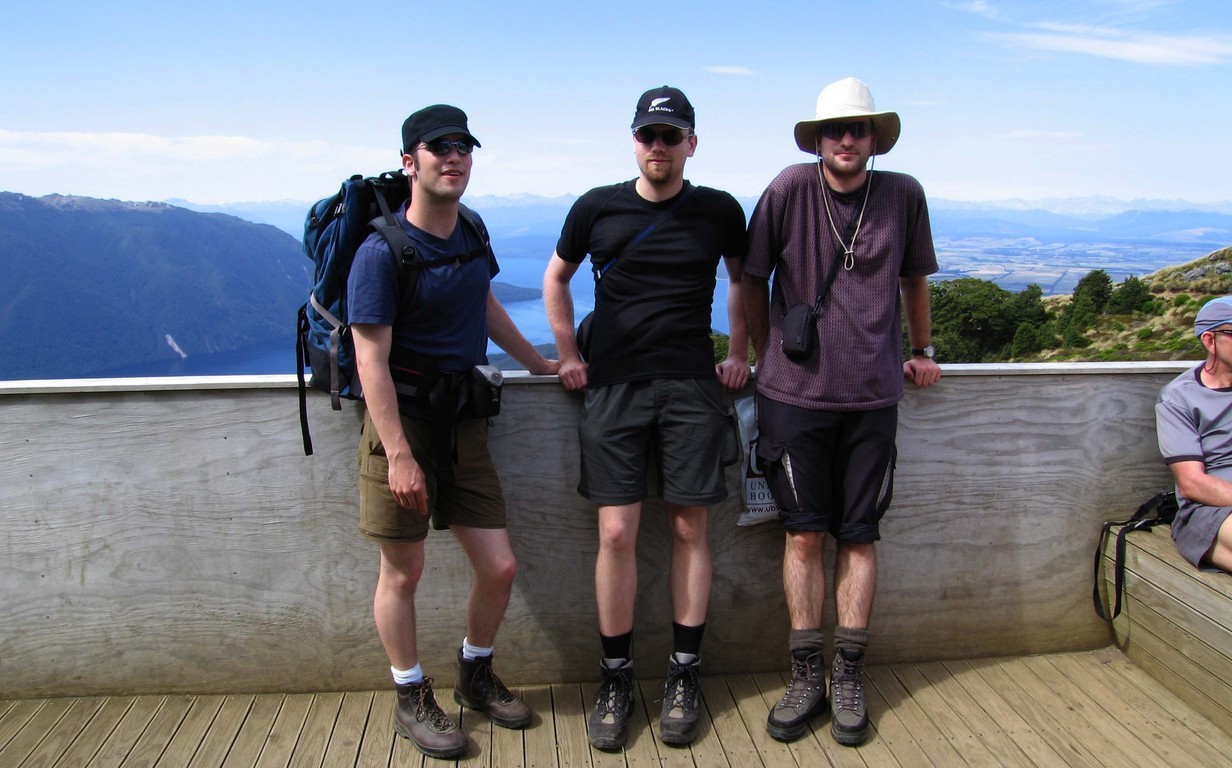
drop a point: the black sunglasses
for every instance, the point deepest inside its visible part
(442, 147)
(1221, 331)
(670, 136)
(836, 131)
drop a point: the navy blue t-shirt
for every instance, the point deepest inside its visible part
(447, 318)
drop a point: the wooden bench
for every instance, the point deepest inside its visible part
(1175, 621)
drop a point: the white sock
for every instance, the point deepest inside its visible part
(407, 676)
(472, 652)
(684, 658)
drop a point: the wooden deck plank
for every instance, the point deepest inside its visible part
(569, 711)
(539, 739)
(15, 718)
(1006, 718)
(891, 733)
(752, 707)
(1079, 706)
(96, 732)
(34, 730)
(159, 734)
(1196, 733)
(953, 697)
(216, 744)
(246, 749)
(63, 734)
(945, 716)
(1079, 709)
(348, 733)
(726, 726)
(124, 737)
(1041, 711)
(187, 735)
(1150, 729)
(478, 729)
(508, 744)
(318, 727)
(939, 750)
(377, 745)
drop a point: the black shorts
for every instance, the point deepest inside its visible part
(829, 471)
(682, 423)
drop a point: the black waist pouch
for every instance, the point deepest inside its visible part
(799, 332)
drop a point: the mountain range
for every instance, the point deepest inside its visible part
(113, 288)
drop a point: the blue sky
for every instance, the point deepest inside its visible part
(245, 101)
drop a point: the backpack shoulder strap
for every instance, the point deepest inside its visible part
(1164, 505)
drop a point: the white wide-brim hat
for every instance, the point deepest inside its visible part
(849, 99)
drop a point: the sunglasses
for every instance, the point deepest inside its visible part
(442, 147)
(836, 131)
(1221, 331)
(670, 136)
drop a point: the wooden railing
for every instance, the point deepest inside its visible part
(170, 535)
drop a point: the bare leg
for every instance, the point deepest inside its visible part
(402, 566)
(495, 566)
(690, 573)
(855, 577)
(1221, 553)
(804, 578)
(616, 568)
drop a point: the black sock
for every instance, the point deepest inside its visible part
(618, 646)
(687, 639)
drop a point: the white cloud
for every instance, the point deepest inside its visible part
(206, 169)
(978, 7)
(730, 69)
(1139, 47)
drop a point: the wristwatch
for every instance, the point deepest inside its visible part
(928, 352)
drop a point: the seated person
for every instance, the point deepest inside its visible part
(1193, 418)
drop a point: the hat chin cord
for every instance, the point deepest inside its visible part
(849, 252)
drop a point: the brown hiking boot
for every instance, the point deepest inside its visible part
(419, 718)
(479, 688)
(805, 699)
(849, 724)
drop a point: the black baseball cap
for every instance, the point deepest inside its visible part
(432, 123)
(664, 106)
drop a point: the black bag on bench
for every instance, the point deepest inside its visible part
(1164, 507)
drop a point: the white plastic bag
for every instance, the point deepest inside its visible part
(759, 504)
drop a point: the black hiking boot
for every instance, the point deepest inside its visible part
(849, 725)
(805, 699)
(682, 701)
(609, 720)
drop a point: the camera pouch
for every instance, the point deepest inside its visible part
(480, 395)
(799, 331)
(583, 335)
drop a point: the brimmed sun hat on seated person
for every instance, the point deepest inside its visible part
(849, 99)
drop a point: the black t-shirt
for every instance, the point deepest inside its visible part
(652, 306)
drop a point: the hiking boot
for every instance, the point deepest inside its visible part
(609, 720)
(479, 688)
(682, 700)
(419, 718)
(805, 699)
(849, 725)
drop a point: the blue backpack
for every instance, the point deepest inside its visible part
(333, 231)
